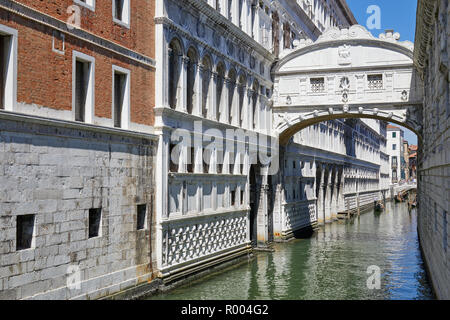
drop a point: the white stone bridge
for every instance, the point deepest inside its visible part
(347, 73)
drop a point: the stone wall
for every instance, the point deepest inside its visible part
(58, 171)
(433, 33)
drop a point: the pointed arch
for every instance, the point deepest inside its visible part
(175, 52)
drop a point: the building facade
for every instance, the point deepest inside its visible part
(395, 137)
(432, 61)
(77, 147)
(214, 202)
(135, 144)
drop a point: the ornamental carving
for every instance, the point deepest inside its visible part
(241, 55)
(344, 55)
(217, 39)
(252, 62)
(201, 29)
(230, 47)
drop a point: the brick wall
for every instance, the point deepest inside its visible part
(45, 77)
(58, 172)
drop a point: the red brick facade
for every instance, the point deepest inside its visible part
(44, 76)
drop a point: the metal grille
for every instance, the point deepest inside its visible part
(375, 81)
(317, 84)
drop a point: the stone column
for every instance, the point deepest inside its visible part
(334, 205)
(320, 196)
(197, 109)
(257, 26)
(183, 87)
(213, 112)
(328, 196)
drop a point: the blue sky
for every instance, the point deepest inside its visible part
(399, 15)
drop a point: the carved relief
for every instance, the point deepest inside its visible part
(230, 47)
(241, 55)
(200, 29)
(217, 39)
(344, 55)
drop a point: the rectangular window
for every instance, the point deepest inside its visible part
(206, 159)
(90, 4)
(141, 216)
(80, 90)
(394, 147)
(121, 12)
(83, 87)
(394, 161)
(24, 232)
(95, 217)
(394, 175)
(8, 68)
(394, 134)
(242, 196)
(375, 81)
(121, 97)
(232, 198)
(191, 160)
(317, 84)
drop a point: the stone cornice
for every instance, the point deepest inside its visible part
(57, 123)
(424, 32)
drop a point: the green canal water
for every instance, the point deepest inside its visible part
(331, 264)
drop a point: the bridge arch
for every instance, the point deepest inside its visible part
(346, 73)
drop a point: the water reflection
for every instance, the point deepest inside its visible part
(331, 264)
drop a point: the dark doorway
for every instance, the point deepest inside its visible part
(270, 202)
(253, 206)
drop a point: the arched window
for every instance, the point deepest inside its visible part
(206, 84)
(219, 90)
(191, 75)
(231, 90)
(242, 89)
(174, 73)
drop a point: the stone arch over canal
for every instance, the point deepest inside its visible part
(345, 74)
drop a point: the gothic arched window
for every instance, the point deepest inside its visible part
(174, 73)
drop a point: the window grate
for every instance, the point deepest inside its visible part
(317, 84)
(375, 81)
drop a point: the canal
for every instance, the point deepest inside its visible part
(331, 264)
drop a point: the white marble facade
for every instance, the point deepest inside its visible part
(214, 75)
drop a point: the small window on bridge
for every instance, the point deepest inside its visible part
(375, 81)
(317, 84)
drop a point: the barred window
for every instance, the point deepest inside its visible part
(375, 81)
(317, 84)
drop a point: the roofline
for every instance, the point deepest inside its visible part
(347, 12)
